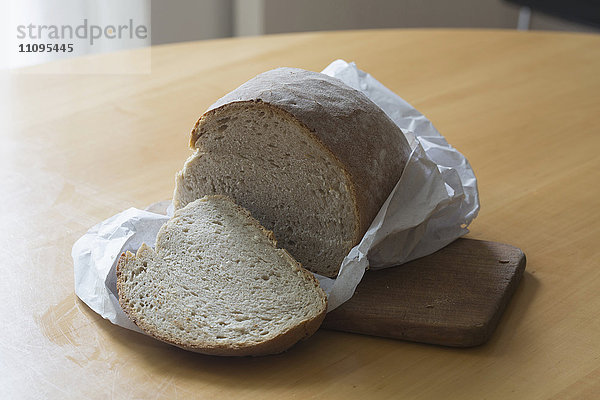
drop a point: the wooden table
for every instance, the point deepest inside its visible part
(523, 107)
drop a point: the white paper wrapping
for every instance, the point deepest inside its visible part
(432, 204)
(95, 257)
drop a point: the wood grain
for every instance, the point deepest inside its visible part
(454, 297)
(522, 106)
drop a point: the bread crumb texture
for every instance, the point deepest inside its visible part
(217, 284)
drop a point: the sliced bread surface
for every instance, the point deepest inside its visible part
(311, 158)
(216, 284)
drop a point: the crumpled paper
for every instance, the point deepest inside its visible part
(432, 204)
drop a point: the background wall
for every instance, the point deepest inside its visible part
(307, 15)
(181, 20)
(287, 15)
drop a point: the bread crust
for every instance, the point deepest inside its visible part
(278, 344)
(367, 145)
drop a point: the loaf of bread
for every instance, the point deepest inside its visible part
(216, 284)
(311, 158)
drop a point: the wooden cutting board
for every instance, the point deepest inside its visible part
(454, 297)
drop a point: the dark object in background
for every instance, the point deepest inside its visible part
(585, 12)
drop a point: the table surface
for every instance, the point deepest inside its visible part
(524, 107)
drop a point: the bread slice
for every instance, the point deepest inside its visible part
(311, 158)
(217, 284)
